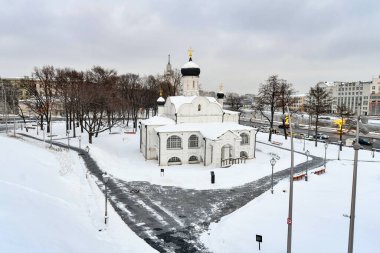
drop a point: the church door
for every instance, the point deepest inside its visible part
(226, 152)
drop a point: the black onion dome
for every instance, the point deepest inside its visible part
(160, 101)
(190, 69)
(220, 95)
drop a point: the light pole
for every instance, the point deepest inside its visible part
(356, 147)
(254, 150)
(326, 145)
(272, 162)
(80, 139)
(290, 211)
(307, 162)
(304, 140)
(105, 180)
(340, 147)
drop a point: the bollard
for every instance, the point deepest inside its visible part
(162, 172)
(212, 177)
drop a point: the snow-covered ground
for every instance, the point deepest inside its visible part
(319, 204)
(48, 204)
(119, 154)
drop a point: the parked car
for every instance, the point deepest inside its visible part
(364, 141)
(282, 126)
(321, 136)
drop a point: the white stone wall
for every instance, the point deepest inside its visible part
(185, 152)
(231, 117)
(190, 85)
(209, 112)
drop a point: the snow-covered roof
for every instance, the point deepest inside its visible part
(211, 130)
(177, 101)
(189, 65)
(158, 121)
(230, 112)
(160, 99)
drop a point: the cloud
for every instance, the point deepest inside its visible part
(239, 43)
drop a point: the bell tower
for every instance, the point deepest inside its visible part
(190, 77)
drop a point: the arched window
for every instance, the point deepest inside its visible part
(174, 160)
(244, 139)
(243, 154)
(193, 141)
(193, 84)
(174, 142)
(193, 159)
(199, 107)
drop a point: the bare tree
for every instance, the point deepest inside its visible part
(285, 98)
(234, 100)
(268, 99)
(344, 113)
(318, 102)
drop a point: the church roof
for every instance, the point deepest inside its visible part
(177, 101)
(231, 112)
(157, 121)
(211, 130)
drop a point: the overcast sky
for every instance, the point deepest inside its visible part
(238, 43)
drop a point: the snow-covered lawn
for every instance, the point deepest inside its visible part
(318, 221)
(119, 154)
(48, 205)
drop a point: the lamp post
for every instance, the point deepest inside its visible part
(307, 153)
(304, 140)
(68, 139)
(290, 211)
(326, 145)
(356, 147)
(105, 180)
(339, 149)
(80, 139)
(272, 162)
(254, 150)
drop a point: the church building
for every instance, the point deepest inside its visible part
(193, 129)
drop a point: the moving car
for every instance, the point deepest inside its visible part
(321, 136)
(363, 141)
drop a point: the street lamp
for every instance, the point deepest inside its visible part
(326, 145)
(304, 140)
(105, 179)
(307, 162)
(254, 150)
(339, 149)
(272, 162)
(68, 139)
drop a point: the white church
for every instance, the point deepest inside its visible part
(195, 129)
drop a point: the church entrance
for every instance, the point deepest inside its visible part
(226, 152)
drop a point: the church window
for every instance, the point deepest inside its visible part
(243, 154)
(193, 141)
(174, 160)
(174, 142)
(193, 159)
(199, 108)
(244, 139)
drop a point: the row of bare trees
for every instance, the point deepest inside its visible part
(96, 99)
(275, 94)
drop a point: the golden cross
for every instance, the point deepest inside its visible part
(190, 52)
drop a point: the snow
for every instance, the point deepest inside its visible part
(230, 112)
(177, 101)
(119, 155)
(211, 130)
(190, 65)
(49, 205)
(157, 121)
(160, 99)
(319, 205)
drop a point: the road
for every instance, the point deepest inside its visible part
(171, 219)
(333, 136)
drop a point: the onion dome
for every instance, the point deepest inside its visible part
(190, 68)
(160, 101)
(220, 94)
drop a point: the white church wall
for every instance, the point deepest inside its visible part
(184, 153)
(231, 117)
(190, 85)
(201, 110)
